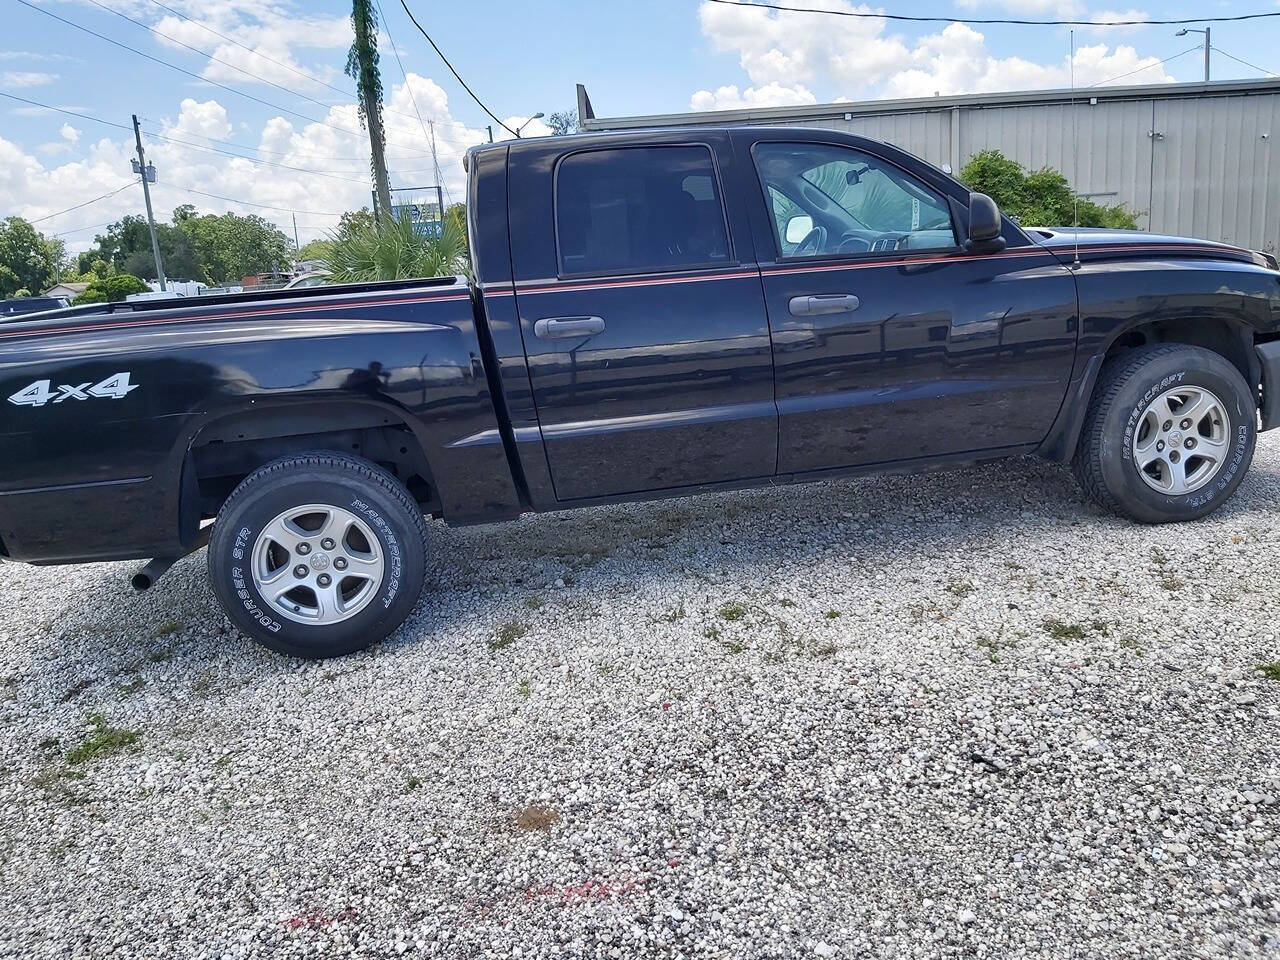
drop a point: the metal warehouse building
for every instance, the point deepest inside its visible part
(1194, 159)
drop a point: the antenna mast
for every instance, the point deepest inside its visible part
(1075, 156)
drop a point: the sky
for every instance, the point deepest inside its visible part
(244, 105)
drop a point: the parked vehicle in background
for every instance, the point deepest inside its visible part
(650, 315)
(18, 306)
(313, 278)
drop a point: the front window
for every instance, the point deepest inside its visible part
(829, 200)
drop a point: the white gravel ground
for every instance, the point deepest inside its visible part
(954, 715)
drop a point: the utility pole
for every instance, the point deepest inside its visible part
(148, 173)
(490, 129)
(362, 66)
(297, 247)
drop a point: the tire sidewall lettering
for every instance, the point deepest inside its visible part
(1145, 401)
(391, 546)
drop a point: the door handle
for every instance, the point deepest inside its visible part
(823, 303)
(555, 328)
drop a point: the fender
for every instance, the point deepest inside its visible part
(1222, 305)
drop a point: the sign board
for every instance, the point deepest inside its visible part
(422, 206)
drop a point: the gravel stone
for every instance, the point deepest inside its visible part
(957, 715)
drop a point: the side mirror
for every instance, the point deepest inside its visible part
(798, 227)
(984, 225)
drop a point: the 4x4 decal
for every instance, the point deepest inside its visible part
(114, 387)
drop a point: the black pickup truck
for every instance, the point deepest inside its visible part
(650, 315)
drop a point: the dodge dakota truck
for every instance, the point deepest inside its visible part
(649, 315)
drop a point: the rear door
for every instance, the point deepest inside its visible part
(891, 341)
(643, 322)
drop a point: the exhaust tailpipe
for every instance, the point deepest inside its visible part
(153, 571)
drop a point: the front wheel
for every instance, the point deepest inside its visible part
(1168, 436)
(318, 555)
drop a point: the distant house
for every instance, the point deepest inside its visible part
(68, 290)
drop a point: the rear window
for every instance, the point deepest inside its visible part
(639, 209)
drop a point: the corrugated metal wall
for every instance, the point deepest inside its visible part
(1207, 171)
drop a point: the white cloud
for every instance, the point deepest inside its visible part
(271, 42)
(793, 49)
(787, 55)
(7, 56)
(1043, 9)
(338, 163)
(772, 94)
(26, 78)
(70, 137)
(957, 61)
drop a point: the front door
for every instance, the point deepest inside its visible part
(648, 349)
(890, 341)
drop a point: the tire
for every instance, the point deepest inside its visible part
(275, 526)
(1133, 398)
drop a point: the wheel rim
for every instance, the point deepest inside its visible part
(1182, 441)
(317, 564)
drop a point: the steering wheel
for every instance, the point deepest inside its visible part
(812, 244)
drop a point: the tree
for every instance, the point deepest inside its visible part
(394, 249)
(1042, 198)
(126, 247)
(564, 122)
(316, 250)
(230, 247)
(362, 67)
(33, 260)
(353, 221)
(9, 282)
(112, 289)
(456, 213)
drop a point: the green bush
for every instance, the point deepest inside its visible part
(393, 249)
(112, 289)
(1041, 198)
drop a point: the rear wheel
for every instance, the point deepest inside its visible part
(318, 555)
(1169, 434)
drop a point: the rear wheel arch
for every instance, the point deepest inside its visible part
(229, 446)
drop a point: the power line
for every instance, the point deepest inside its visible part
(227, 63)
(257, 53)
(455, 73)
(50, 216)
(280, 153)
(249, 203)
(96, 226)
(189, 73)
(214, 59)
(186, 143)
(1149, 66)
(1252, 66)
(901, 17)
(431, 138)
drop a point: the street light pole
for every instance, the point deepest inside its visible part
(1184, 31)
(146, 174)
(537, 116)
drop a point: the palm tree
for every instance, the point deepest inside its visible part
(394, 249)
(362, 67)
